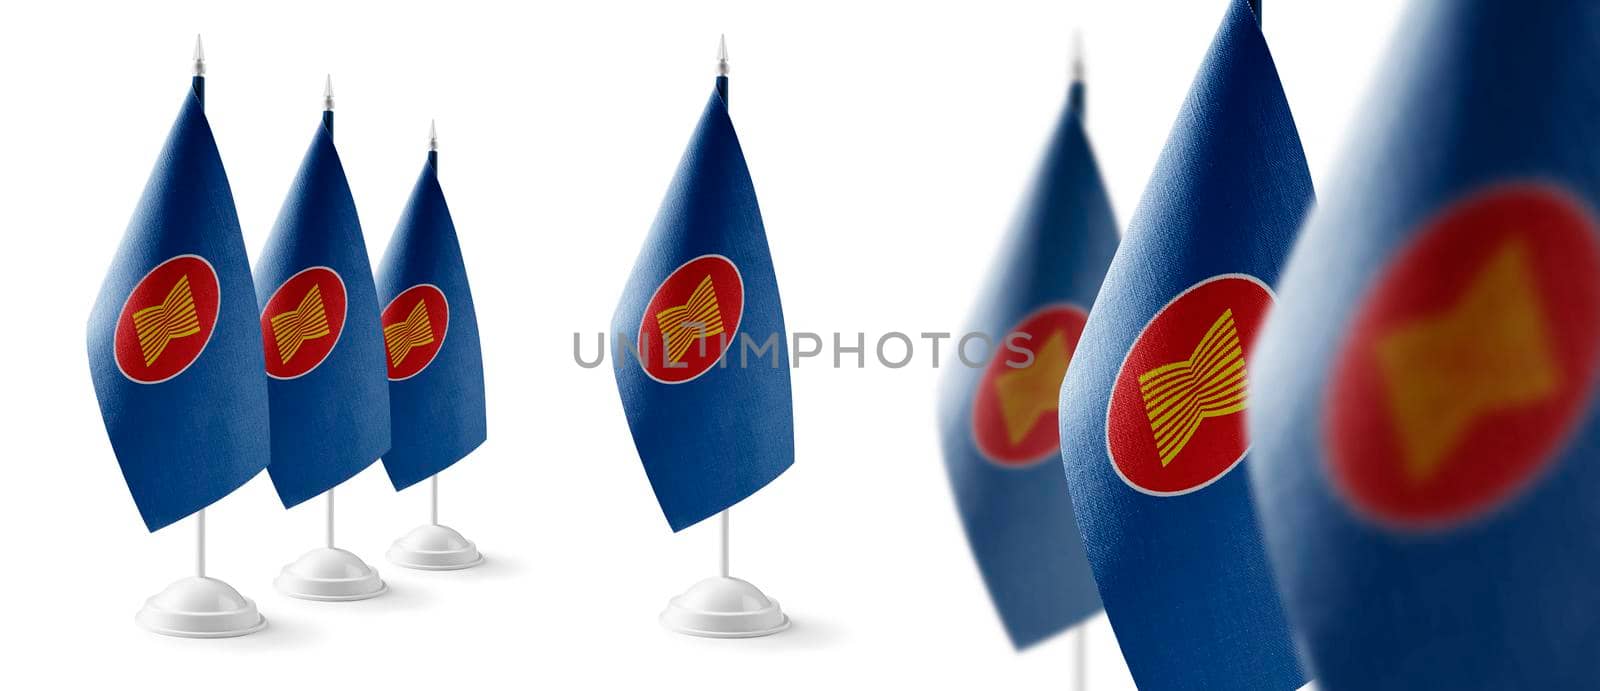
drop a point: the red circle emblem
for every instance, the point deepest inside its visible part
(302, 322)
(1014, 407)
(691, 320)
(1176, 420)
(1470, 360)
(414, 326)
(167, 320)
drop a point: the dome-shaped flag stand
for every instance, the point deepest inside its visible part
(198, 606)
(724, 607)
(330, 574)
(434, 547)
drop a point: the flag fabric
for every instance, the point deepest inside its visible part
(1151, 408)
(324, 345)
(430, 333)
(174, 350)
(701, 355)
(998, 421)
(1424, 450)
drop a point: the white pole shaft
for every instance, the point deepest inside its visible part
(723, 564)
(200, 544)
(330, 519)
(1080, 658)
(433, 506)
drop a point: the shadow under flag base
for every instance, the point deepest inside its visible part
(200, 607)
(434, 548)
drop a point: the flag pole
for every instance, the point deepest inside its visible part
(723, 564)
(433, 503)
(198, 81)
(200, 544)
(1079, 633)
(327, 573)
(198, 606)
(431, 546)
(329, 540)
(327, 121)
(433, 481)
(1080, 657)
(722, 89)
(724, 607)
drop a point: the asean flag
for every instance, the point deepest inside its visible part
(1423, 396)
(430, 334)
(711, 417)
(320, 332)
(1153, 406)
(998, 422)
(174, 349)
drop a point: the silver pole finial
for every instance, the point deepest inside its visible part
(722, 56)
(1077, 55)
(199, 57)
(327, 94)
(433, 136)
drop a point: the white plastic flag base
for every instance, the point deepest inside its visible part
(434, 548)
(724, 608)
(330, 574)
(198, 607)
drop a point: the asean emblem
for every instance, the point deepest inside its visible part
(414, 326)
(1014, 406)
(302, 322)
(691, 320)
(167, 320)
(1470, 360)
(1176, 422)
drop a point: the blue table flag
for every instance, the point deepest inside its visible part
(1425, 449)
(174, 349)
(701, 355)
(430, 332)
(323, 341)
(1151, 408)
(998, 421)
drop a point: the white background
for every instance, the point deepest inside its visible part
(889, 143)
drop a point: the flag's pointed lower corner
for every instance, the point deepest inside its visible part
(434, 547)
(724, 607)
(200, 607)
(330, 574)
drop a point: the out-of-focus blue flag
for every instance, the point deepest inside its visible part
(1152, 408)
(173, 345)
(701, 356)
(320, 329)
(430, 332)
(998, 422)
(1423, 398)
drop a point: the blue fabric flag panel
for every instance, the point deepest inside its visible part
(998, 422)
(174, 349)
(702, 361)
(1152, 422)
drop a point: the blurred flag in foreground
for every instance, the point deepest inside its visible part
(324, 346)
(1152, 408)
(1424, 395)
(700, 355)
(998, 423)
(173, 345)
(430, 335)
